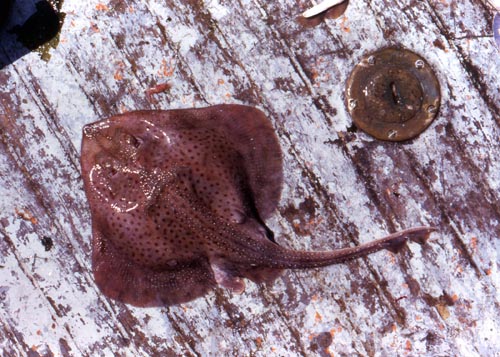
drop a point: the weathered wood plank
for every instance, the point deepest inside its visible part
(341, 186)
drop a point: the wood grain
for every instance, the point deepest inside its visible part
(341, 186)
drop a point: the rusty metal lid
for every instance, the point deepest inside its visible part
(392, 94)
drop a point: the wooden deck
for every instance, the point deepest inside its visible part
(341, 186)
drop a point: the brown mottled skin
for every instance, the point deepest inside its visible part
(178, 201)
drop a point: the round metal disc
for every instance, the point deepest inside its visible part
(392, 94)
